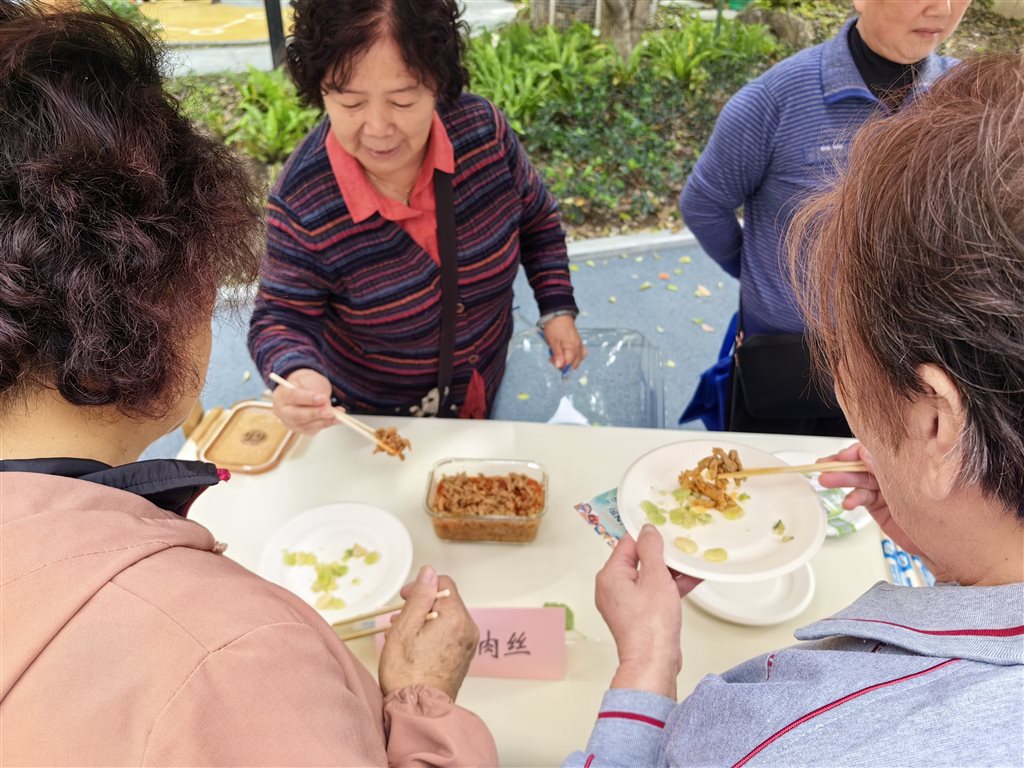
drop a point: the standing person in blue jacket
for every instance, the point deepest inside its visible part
(780, 137)
(915, 262)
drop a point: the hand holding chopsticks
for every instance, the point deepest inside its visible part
(349, 421)
(822, 466)
(394, 607)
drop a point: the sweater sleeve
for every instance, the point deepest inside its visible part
(285, 329)
(425, 728)
(729, 171)
(277, 696)
(629, 731)
(541, 237)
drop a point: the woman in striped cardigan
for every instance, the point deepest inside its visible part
(350, 300)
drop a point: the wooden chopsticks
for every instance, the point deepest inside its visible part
(824, 466)
(380, 612)
(349, 421)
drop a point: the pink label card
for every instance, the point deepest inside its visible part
(525, 643)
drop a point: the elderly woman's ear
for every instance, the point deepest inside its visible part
(935, 423)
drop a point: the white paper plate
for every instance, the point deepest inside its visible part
(841, 522)
(757, 603)
(327, 532)
(755, 552)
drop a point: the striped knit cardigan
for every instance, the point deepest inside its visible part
(361, 303)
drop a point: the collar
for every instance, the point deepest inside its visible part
(944, 621)
(841, 80)
(363, 200)
(167, 483)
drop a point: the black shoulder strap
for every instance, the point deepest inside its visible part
(449, 287)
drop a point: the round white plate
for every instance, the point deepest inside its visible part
(755, 552)
(757, 603)
(841, 522)
(327, 532)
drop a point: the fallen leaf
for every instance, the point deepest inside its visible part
(246, 376)
(611, 299)
(697, 320)
(670, 363)
(638, 259)
(677, 271)
(574, 267)
(672, 287)
(702, 291)
(590, 263)
(659, 329)
(644, 286)
(523, 396)
(707, 328)
(685, 260)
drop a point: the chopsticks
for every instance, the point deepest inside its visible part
(349, 421)
(824, 466)
(380, 612)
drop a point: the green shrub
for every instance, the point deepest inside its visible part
(126, 9)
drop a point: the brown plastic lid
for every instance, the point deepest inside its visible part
(248, 438)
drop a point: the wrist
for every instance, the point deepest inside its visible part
(654, 677)
(547, 317)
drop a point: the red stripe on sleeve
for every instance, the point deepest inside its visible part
(590, 759)
(632, 716)
(1004, 632)
(838, 702)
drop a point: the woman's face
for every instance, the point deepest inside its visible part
(905, 31)
(383, 114)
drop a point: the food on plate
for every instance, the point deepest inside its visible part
(396, 444)
(487, 507)
(327, 573)
(716, 555)
(683, 544)
(705, 486)
(779, 529)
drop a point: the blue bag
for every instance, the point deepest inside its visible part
(710, 402)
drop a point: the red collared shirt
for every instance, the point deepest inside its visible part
(418, 218)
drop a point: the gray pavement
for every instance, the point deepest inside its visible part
(210, 59)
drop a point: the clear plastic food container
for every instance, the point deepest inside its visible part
(471, 521)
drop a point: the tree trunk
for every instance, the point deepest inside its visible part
(624, 21)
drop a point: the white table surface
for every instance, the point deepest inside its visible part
(534, 722)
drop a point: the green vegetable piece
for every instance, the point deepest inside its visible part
(570, 619)
(288, 558)
(704, 518)
(734, 512)
(743, 497)
(716, 555)
(786, 538)
(677, 515)
(654, 514)
(779, 528)
(329, 603)
(356, 582)
(372, 557)
(298, 558)
(689, 546)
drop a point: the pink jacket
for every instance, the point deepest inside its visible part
(125, 639)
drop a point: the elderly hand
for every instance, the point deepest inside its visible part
(866, 493)
(307, 408)
(420, 652)
(638, 596)
(564, 340)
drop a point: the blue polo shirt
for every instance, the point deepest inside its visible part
(779, 138)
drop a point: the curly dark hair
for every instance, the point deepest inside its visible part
(118, 220)
(330, 35)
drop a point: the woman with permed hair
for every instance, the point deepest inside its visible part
(127, 636)
(397, 226)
